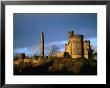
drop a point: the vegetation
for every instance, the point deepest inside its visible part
(21, 56)
(54, 49)
(74, 66)
(58, 65)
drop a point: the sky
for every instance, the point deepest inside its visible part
(55, 26)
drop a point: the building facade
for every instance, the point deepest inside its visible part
(87, 48)
(76, 47)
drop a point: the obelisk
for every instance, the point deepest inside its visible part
(42, 44)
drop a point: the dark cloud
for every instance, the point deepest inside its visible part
(27, 27)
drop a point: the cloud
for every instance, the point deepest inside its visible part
(93, 42)
(61, 45)
(27, 28)
(58, 42)
(29, 51)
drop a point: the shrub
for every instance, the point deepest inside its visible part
(81, 61)
(92, 62)
(56, 68)
(74, 68)
(74, 65)
(21, 56)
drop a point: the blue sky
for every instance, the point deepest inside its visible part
(27, 28)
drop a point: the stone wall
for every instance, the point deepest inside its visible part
(62, 55)
(59, 55)
(86, 48)
(75, 45)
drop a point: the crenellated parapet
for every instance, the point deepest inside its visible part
(70, 34)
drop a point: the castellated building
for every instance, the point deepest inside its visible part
(76, 47)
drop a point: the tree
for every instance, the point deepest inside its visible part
(54, 49)
(36, 56)
(21, 56)
(91, 53)
(21, 60)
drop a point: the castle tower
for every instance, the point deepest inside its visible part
(77, 46)
(42, 44)
(70, 34)
(86, 44)
(68, 47)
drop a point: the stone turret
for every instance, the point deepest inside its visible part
(86, 44)
(70, 34)
(75, 45)
(42, 44)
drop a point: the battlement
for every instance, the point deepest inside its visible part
(70, 34)
(78, 36)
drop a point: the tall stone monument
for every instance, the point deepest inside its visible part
(42, 44)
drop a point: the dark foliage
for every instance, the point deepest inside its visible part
(61, 66)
